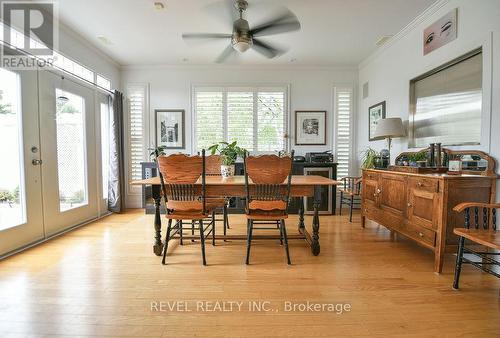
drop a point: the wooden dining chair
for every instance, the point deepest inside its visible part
(212, 166)
(184, 199)
(481, 231)
(268, 197)
(350, 193)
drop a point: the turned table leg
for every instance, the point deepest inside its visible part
(158, 246)
(315, 247)
(301, 224)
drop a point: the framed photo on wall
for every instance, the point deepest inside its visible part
(169, 128)
(310, 127)
(375, 114)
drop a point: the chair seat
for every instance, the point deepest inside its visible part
(195, 215)
(266, 215)
(350, 192)
(267, 205)
(212, 203)
(487, 238)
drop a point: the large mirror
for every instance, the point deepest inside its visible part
(446, 104)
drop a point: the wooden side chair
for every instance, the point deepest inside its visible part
(481, 231)
(350, 193)
(268, 197)
(212, 166)
(184, 199)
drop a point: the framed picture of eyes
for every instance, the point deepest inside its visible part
(441, 32)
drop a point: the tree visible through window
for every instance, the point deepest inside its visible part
(255, 118)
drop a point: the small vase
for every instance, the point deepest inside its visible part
(227, 171)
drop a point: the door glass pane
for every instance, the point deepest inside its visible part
(71, 161)
(105, 148)
(12, 201)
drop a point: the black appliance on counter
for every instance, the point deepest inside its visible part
(323, 157)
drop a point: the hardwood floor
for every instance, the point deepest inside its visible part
(101, 279)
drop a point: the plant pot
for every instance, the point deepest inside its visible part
(227, 171)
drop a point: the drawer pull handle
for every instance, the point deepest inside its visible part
(420, 184)
(409, 205)
(421, 234)
(379, 191)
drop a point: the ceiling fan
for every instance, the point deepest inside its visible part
(244, 38)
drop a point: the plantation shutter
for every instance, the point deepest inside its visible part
(254, 117)
(271, 117)
(240, 119)
(343, 144)
(137, 95)
(209, 123)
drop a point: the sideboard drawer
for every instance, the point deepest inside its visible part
(421, 234)
(422, 183)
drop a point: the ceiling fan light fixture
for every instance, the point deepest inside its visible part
(241, 43)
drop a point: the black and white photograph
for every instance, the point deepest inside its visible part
(375, 114)
(169, 125)
(310, 127)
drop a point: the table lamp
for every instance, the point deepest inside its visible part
(389, 128)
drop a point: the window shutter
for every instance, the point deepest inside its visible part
(137, 112)
(209, 111)
(240, 119)
(271, 121)
(343, 145)
(255, 118)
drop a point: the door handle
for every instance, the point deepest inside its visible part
(36, 162)
(409, 205)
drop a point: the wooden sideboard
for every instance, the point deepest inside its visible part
(419, 206)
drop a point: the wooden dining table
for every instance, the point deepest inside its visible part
(217, 186)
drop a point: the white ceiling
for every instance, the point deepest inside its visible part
(334, 32)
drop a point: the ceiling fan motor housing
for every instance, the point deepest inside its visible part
(241, 39)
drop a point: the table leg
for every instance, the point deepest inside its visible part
(301, 215)
(315, 247)
(158, 246)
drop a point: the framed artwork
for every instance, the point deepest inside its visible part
(169, 128)
(310, 127)
(441, 32)
(375, 114)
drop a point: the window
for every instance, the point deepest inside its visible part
(446, 103)
(137, 108)
(103, 82)
(254, 117)
(73, 67)
(343, 130)
(71, 150)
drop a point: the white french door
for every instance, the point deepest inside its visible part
(68, 143)
(21, 217)
(53, 155)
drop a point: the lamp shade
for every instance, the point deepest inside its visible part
(389, 127)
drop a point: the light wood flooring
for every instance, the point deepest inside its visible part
(100, 280)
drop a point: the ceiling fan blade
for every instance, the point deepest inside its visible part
(283, 23)
(225, 54)
(266, 49)
(199, 36)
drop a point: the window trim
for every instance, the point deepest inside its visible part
(254, 87)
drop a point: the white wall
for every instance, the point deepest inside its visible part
(389, 70)
(310, 88)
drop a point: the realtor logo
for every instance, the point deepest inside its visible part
(29, 33)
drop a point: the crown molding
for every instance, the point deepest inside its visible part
(431, 10)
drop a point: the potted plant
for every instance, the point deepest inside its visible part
(157, 152)
(417, 159)
(369, 158)
(229, 152)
